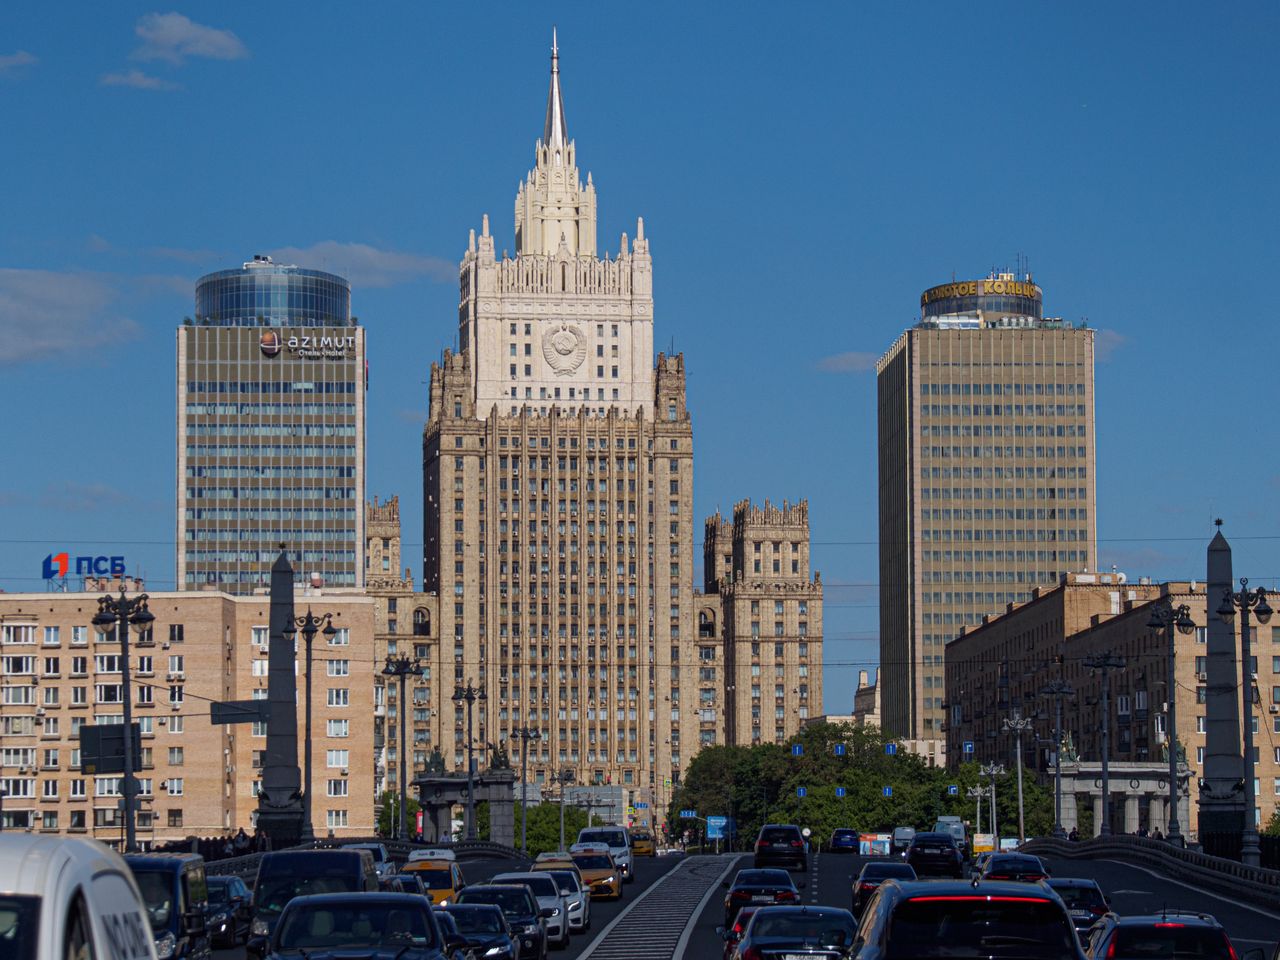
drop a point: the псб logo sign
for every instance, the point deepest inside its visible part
(57, 565)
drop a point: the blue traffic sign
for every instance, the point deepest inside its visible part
(891, 749)
(887, 791)
(691, 814)
(640, 806)
(952, 790)
(839, 749)
(968, 746)
(839, 791)
(801, 791)
(797, 750)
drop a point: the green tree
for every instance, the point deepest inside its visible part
(1272, 829)
(387, 824)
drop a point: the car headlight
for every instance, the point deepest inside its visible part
(444, 902)
(610, 879)
(555, 911)
(259, 928)
(165, 945)
(218, 918)
(495, 951)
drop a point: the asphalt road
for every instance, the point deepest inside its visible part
(1132, 891)
(648, 871)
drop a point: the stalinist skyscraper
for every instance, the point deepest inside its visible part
(558, 488)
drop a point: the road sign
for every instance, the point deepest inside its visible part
(839, 791)
(968, 746)
(801, 791)
(102, 748)
(239, 711)
(690, 814)
(666, 781)
(891, 749)
(887, 791)
(952, 790)
(641, 806)
(718, 827)
(797, 749)
(839, 749)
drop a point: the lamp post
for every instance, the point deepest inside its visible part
(1106, 662)
(976, 794)
(470, 694)
(525, 734)
(993, 770)
(564, 778)
(1057, 689)
(118, 614)
(309, 626)
(1173, 620)
(1018, 725)
(402, 667)
(1246, 600)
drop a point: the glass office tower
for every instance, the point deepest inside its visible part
(271, 429)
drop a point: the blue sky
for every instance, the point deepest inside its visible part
(804, 171)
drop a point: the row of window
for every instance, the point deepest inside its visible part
(271, 430)
(1002, 389)
(947, 430)
(269, 386)
(1008, 410)
(1004, 513)
(271, 513)
(327, 450)
(997, 451)
(272, 409)
(1003, 473)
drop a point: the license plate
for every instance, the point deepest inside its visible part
(761, 899)
(931, 850)
(797, 956)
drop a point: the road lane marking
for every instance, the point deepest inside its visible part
(1271, 915)
(692, 922)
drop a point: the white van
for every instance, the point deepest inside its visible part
(619, 841)
(67, 897)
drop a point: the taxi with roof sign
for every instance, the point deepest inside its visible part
(439, 872)
(600, 874)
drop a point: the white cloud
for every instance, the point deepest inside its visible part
(1106, 343)
(13, 61)
(70, 496)
(136, 79)
(367, 266)
(172, 37)
(46, 313)
(851, 362)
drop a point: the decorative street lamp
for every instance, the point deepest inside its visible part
(309, 626)
(1057, 689)
(993, 770)
(1173, 620)
(1106, 662)
(1018, 725)
(402, 667)
(976, 794)
(470, 694)
(564, 778)
(525, 734)
(1247, 599)
(118, 614)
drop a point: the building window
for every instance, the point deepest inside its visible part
(337, 788)
(336, 818)
(339, 697)
(339, 728)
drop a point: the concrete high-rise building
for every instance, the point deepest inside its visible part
(271, 429)
(558, 489)
(986, 476)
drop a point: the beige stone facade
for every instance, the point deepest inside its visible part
(1002, 665)
(197, 779)
(986, 473)
(771, 612)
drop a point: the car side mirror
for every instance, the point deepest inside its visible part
(194, 923)
(256, 947)
(547, 912)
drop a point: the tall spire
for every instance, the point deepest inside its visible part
(555, 133)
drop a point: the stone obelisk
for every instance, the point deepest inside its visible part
(280, 798)
(1221, 794)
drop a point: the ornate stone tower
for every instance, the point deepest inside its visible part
(557, 325)
(558, 501)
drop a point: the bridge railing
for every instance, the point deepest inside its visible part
(1228, 877)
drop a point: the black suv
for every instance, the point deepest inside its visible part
(1173, 933)
(941, 919)
(781, 845)
(1084, 899)
(934, 854)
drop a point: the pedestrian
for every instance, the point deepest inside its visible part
(1159, 835)
(241, 842)
(1074, 835)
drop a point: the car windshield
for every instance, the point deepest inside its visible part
(157, 894)
(513, 903)
(272, 893)
(436, 878)
(594, 861)
(378, 855)
(779, 834)
(542, 885)
(825, 931)
(1170, 941)
(979, 926)
(19, 927)
(353, 924)
(1019, 864)
(567, 880)
(762, 878)
(219, 891)
(1080, 898)
(477, 921)
(613, 838)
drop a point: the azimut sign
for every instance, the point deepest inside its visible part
(308, 346)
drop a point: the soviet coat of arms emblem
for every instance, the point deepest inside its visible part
(564, 348)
